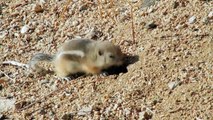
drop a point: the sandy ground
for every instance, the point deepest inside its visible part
(169, 74)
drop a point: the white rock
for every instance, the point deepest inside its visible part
(75, 23)
(134, 1)
(205, 20)
(16, 35)
(197, 118)
(54, 86)
(24, 29)
(141, 115)
(119, 100)
(210, 15)
(85, 110)
(3, 34)
(141, 49)
(42, 1)
(127, 111)
(192, 19)
(173, 84)
(66, 93)
(178, 26)
(115, 107)
(44, 81)
(107, 110)
(6, 104)
(150, 10)
(144, 115)
(56, 106)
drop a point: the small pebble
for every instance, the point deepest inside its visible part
(205, 20)
(108, 109)
(54, 86)
(144, 116)
(83, 7)
(173, 84)
(151, 25)
(94, 34)
(51, 113)
(175, 4)
(210, 15)
(42, 1)
(192, 20)
(85, 110)
(134, 1)
(150, 10)
(178, 27)
(148, 3)
(67, 93)
(44, 81)
(197, 118)
(127, 111)
(141, 49)
(38, 9)
(56, 106)
(75, 23)
(6, 104)
(42, 111)
(115, 107)
(16, 35)
(3, 34)
(24, 29)
(67, 117)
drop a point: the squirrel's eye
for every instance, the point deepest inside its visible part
(112, 57)
(100, 53)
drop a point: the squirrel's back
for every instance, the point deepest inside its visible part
(77, 44)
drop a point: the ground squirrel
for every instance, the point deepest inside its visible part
(81, 55)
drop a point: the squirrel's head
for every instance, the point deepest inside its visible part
(108, 54)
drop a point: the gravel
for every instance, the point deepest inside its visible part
(173, 43)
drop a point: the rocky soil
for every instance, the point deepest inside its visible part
(168, 72)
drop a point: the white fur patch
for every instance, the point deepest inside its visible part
(72, 52)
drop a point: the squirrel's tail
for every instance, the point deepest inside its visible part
(38, 58)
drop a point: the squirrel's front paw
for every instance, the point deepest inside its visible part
(64, 78)
(104, 74)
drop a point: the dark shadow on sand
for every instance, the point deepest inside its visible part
(123, 68)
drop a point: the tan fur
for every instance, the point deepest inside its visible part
(84, 55)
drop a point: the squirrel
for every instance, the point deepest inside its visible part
(81, 55)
